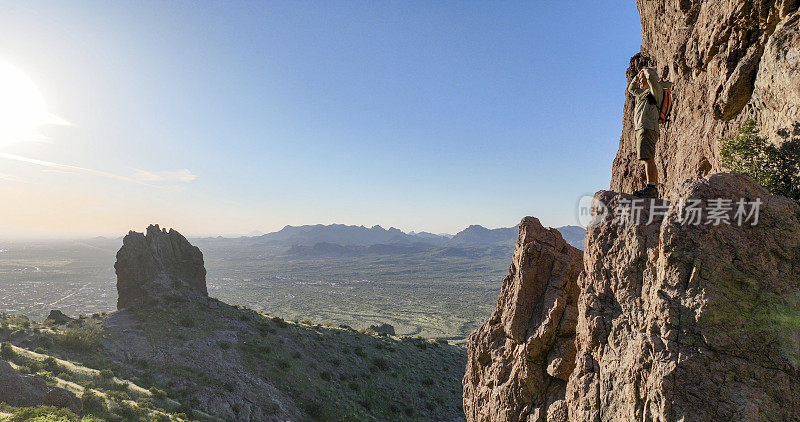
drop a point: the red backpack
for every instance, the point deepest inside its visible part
(666, 106)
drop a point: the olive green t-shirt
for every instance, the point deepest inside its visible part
(645, 114)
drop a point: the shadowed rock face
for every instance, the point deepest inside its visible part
(519, 360)
(730, 61)
(690, 322)
(27, 390)
(675, 321)
(156, 266)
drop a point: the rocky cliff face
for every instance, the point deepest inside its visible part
(519, 360)
(690, 322)
(676, 320)
(157, 266)
(730, 61)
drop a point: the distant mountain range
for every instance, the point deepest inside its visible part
(340, 239)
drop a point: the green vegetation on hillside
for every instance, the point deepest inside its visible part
(329, 372)
(777, 168)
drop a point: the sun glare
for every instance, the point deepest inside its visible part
(23, 110)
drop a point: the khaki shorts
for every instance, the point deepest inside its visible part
(646, 143)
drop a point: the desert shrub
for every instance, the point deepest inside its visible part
(146, 402)
(777, 168)
(79, 339)
(106, 374)
(43, 340)
(45, 375)
(6, 352)
(184, 409)
(119, 396)
(93, 403)
(325, 375)
(157, 393)
(187, 322)
(43, 414)
(224, 345)
(380, 363)
(359, 351)
(49, 363)
(127, 411)
(159, 417)
(265, 329)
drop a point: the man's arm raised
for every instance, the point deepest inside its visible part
(654, 85)
(633, 87)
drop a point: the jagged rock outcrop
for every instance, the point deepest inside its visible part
(519, 360)
(27, 390)
(158, 266)
(730, 61)
(58, 317)
(676, 320)
(156, 270)
(690, 322)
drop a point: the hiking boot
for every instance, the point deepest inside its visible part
(649, 191)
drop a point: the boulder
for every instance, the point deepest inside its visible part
(730, 61)
(58, 317)
(20, 390)
(158, 266)
(27, 390)
(383, 329)
(60, 397)
(520, 359)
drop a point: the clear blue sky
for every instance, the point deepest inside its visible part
(226, 117)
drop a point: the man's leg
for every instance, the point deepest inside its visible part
(646, 146)
(651, 170)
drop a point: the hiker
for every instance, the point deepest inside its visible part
(648, 89)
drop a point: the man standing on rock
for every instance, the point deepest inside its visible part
(648, 90)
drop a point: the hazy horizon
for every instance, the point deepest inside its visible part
(195, 235)
(229, 118)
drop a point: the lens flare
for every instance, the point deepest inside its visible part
(23, 111)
